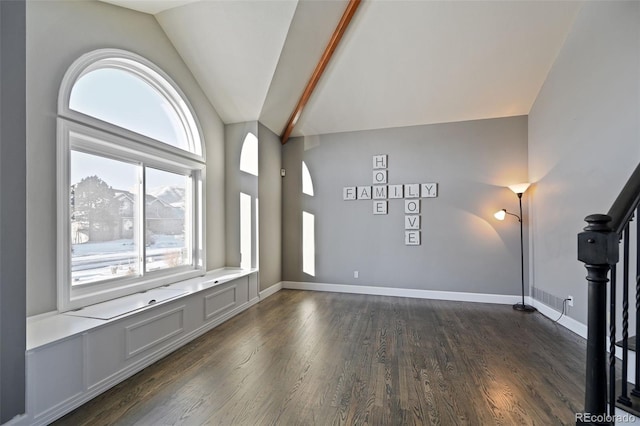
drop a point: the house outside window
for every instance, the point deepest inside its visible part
(130, 179)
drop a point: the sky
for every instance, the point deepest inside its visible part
(118, 97)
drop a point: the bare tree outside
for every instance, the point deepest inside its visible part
(94, 209)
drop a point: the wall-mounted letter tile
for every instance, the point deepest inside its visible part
(412, 190)
(412, 238)
(412, 222)
(364, 193)
(379, 207)
(379, 192)
(395, 191)
(429, 190)
(380, 161)
(411, 206)
(379, 176)
(349, 193)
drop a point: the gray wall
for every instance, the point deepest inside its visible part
(463, 247)
(12, 209)
(58, 33)
(270, 215)
(584, 136)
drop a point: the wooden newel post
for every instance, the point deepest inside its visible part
(598, 249)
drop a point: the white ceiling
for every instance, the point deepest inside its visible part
(232, 49)
(150, 6)
(400, 62)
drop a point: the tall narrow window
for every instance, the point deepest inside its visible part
(246, 247)
(308, 227)
(130, 180)
(257, 262)
(308, 243)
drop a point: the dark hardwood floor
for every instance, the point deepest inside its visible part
(310, 358)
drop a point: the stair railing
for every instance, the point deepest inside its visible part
(599, 249)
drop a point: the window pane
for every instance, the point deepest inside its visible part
(307, 182)
(249, 155)
(166, 240)
(308, 244)
(245, 231)
(124, 99)
(103, 218)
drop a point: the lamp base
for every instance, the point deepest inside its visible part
(523, 308)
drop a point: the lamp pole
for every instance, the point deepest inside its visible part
(522, 306)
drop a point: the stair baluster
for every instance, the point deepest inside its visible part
(624, 394)
(636, 389)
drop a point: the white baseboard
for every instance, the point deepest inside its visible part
(20, 420)
(569, 323)
(404, 292)
(270, 291)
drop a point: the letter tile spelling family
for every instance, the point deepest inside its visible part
(381, 191)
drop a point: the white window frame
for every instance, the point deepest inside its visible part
(82, 133)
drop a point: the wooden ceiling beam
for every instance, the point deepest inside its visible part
(320, 67)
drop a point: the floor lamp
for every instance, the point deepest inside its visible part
(518, 189)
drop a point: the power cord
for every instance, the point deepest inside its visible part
(564, 307)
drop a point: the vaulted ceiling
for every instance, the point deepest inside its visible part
(400, 62)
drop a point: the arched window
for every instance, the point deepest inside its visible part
(130, 180)
(249, 155)
(307, 182)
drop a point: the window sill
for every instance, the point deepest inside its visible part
(53, 327)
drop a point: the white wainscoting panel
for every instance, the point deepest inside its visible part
(220, 301)
(153, 331)
(54, 377)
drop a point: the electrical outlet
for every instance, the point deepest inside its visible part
(569, 300)
(355, 274)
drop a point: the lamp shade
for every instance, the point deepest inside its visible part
(500, 215)
(519, 188)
